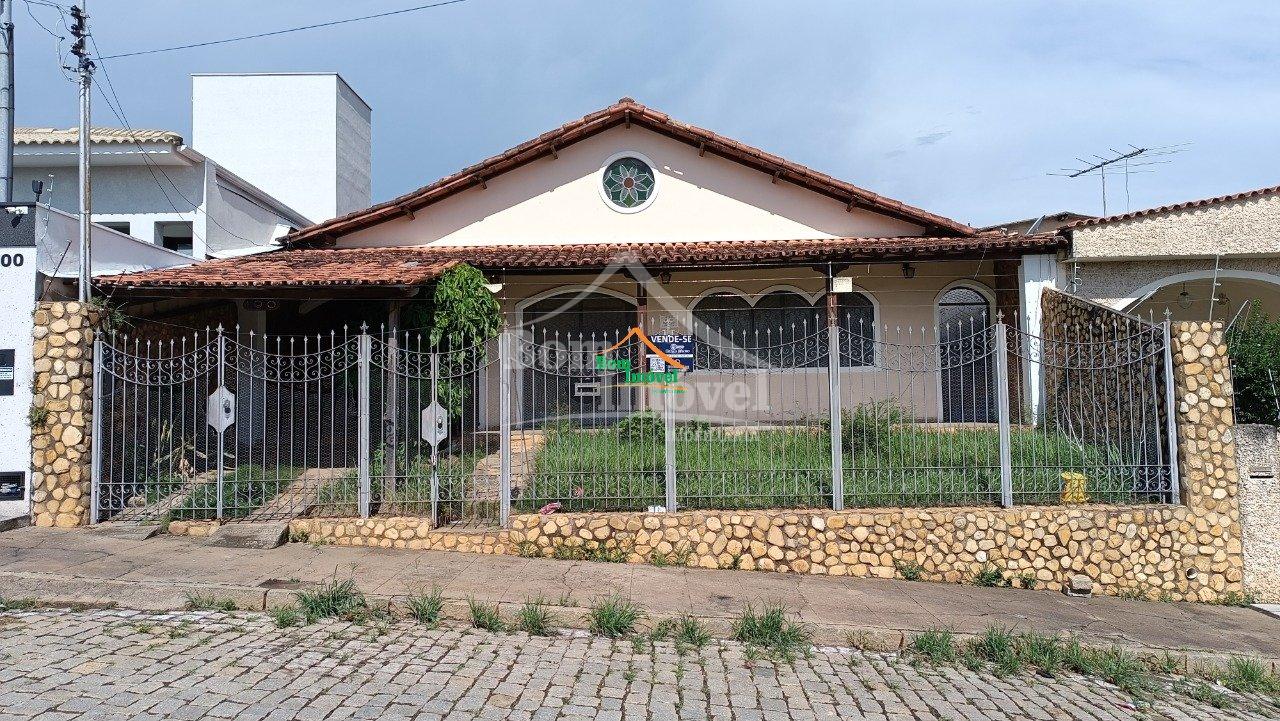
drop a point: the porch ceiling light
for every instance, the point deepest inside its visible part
(908, 270)
(1184, 298)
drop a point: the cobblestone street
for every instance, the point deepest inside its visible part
(57, 664)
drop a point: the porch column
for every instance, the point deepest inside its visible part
(1035, 273)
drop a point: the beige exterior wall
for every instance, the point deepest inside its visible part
(1250, 226)
(698, 198)
(905, 313)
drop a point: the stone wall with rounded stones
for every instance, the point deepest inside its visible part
(1185, 552)
(61, 425)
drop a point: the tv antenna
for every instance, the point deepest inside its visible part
(1130, 162)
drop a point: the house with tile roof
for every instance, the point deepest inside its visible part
(627, 217)
(1212, 258)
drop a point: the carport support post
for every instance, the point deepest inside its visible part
(222, 379)
(1002, 407)
(506, 348)
(833, 398)
(364, 347)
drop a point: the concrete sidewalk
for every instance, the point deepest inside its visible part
(80, 566)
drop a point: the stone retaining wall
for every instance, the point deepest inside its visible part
(61, 419)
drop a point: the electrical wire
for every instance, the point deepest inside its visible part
(272, 33)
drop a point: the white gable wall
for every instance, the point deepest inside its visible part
(557, 200)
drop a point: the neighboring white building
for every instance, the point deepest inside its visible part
(245, 119)
(39, 260)
(148, 184)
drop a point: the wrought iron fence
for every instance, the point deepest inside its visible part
(230, 426)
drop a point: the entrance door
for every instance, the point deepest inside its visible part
(561, 337)
(965, 364)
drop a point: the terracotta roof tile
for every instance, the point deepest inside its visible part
(55, 136)
(1259, 192)
(624, 111)
(415, 265)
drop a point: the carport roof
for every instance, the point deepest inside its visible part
(416, 265)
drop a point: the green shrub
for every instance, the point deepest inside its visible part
(534, 618)
(485, 617)
(1254, 348)
(614, 617)
(1028, 581)
(934, 646)
(770, 629)
(426, 607)
(333, 599)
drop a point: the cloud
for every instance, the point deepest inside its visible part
(932, 138)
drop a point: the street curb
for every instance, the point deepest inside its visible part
(53, 590)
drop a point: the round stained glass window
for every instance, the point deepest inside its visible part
(628, 183)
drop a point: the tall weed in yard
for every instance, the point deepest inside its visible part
(934, 646)
(1248, 675)
(484, 616)
(614, 617)
(425, 607)
(534, 618)
(333, 599)
(770, 629)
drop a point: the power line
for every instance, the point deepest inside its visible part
(271, 33)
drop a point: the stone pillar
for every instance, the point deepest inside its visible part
(62, 404)
(1207, 455)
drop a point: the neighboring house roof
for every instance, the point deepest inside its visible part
(56, 136)
(625, 112)
(1039, 224)
(1175, 207)
(414, 265)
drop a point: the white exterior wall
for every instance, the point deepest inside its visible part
(17, 301)
(292, 135)
(698, 198)
(124, 194)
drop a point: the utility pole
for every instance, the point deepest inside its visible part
(80, 29)
(6, 101)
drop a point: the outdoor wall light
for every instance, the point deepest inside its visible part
(1192, 573)
(908, 270)
(1184, 298)
(664, 277)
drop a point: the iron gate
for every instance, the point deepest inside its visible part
(236, 426)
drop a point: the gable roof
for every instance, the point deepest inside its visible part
(624, 112)
(1256, 193)
(415, 265)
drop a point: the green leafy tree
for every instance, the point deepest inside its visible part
(1254, 348)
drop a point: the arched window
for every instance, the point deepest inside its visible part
(781, 329)
(857, 315)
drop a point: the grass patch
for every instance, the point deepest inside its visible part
(989, 576)
(209, 602)
(485, 617)
(1205, 692)
(1248, 675)
(244, 490)
(286, 616)
(770, 629)
(1041, 652)
(908, 570)
(333, 599)
(934, 646)
(889, 461)
(1237, 599)
(614, 617)
(17, 604)
(684, 631)
(407, 492)
(1115, 665)
(998, 647)
(534, 618)
(426, 607)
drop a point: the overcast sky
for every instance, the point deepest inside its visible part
(960, 108)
